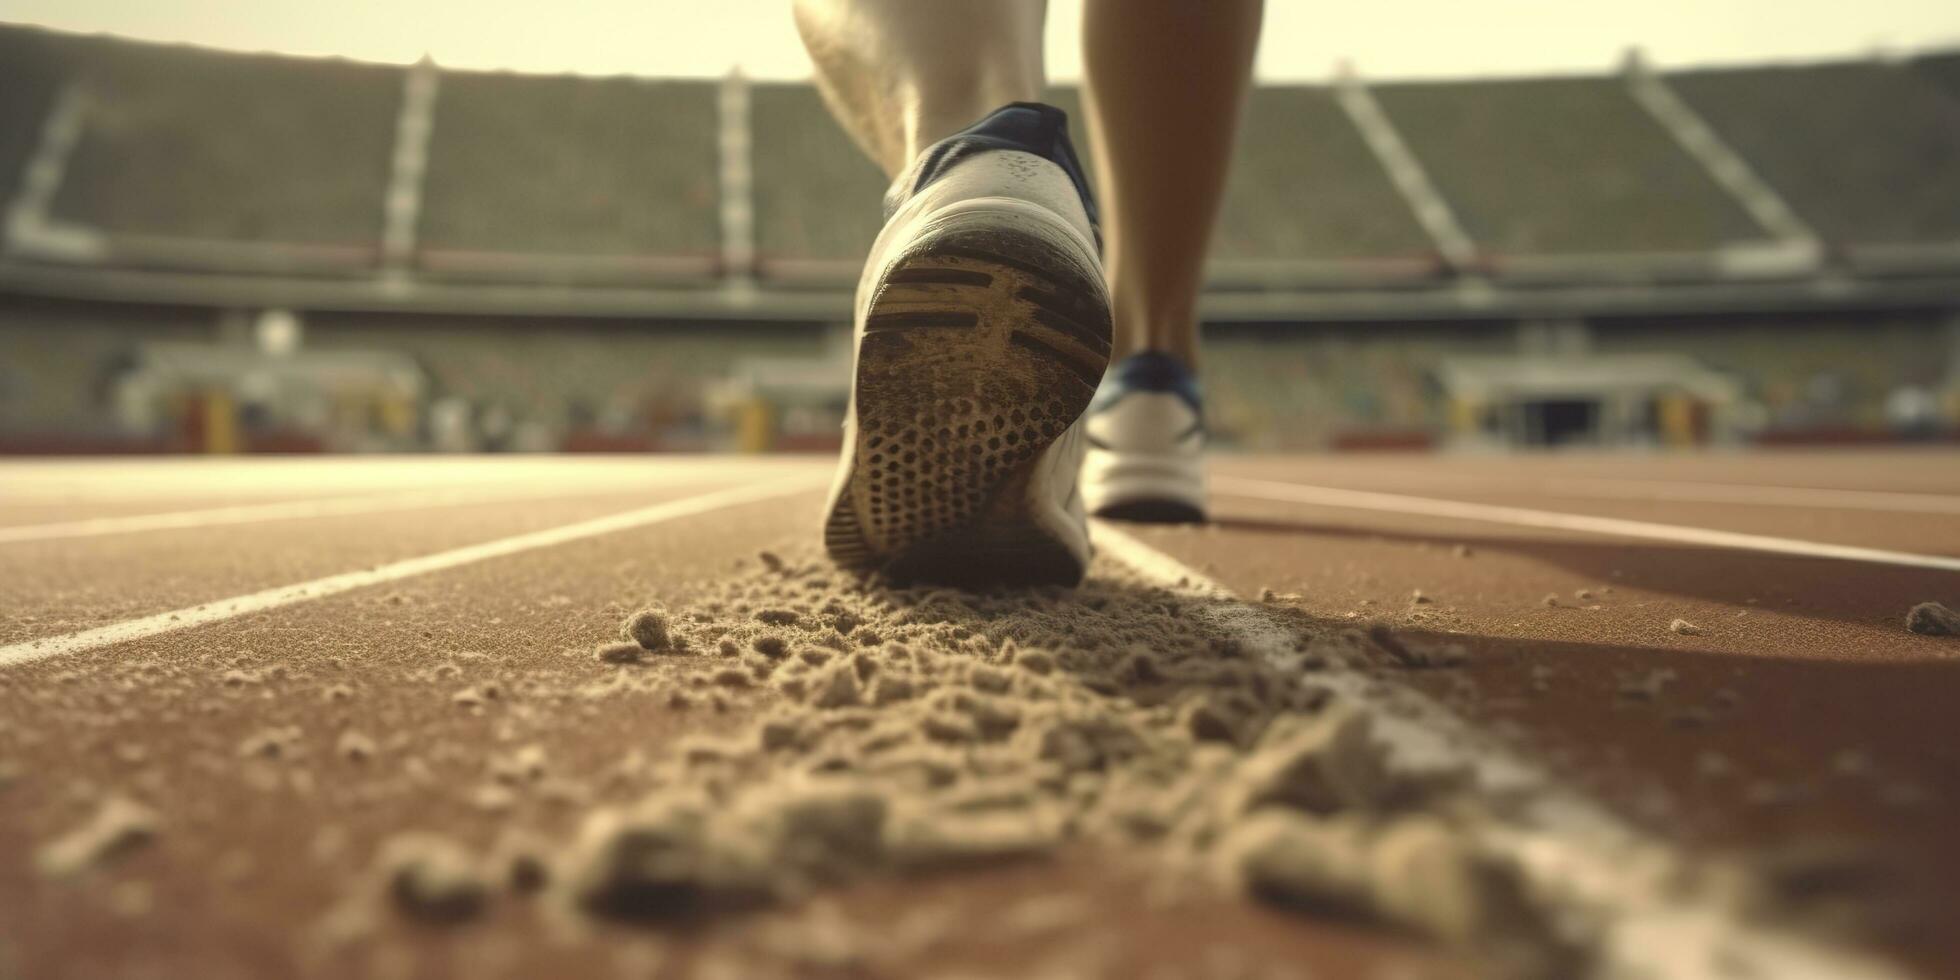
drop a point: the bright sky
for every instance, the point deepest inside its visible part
(1304, 39)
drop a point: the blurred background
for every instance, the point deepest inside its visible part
(634, 228)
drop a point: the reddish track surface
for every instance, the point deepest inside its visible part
(1802, 711)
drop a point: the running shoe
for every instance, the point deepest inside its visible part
(1146, 432)
(982, 331)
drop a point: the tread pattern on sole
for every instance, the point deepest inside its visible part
(920, 318)
(940, 276)
(951, 421)
(1089, 374)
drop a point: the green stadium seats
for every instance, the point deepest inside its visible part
(265, 164)
(1561, 166)
(1865, 152)
(37, 65)
(202, 145)
(582, 168)
(817, 196)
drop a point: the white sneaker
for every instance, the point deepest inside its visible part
(982, 333)
(1146, 433)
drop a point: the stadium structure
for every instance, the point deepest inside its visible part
(209, 251)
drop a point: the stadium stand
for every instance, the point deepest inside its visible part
(1866, 152)
(36, 66)
(603, 170)
(558, 275)
(576, 379)
(1305, 188)
(817, 196)
(1344, 385)
(1942, 69)
(197, 145)
(57, 361)
(1561, 165)
(1822, 375)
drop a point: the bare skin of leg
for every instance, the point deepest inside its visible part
(903, 74)
(1166, 82)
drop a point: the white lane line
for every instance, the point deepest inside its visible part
(366, 503)
(1575, 853)
(1692, 491)
(1689, 491)
(1396, 503)
(219, 610)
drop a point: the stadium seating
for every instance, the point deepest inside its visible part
(36, 66)
(1866, 152)
(1305, 187)
(579, 368)
(1561, 165)
(1942, 69)
(1809, 372)
(58, 360)
(195, 144)
(1336, 384)
(254, 163)
(817, 196)
(568, 166)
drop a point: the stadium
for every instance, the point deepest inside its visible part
(1737, 256)
(410, 480)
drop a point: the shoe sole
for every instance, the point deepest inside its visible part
(981, 346)
(1147, 488)
(1152, 512)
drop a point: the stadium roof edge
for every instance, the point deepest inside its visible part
(1446, 301)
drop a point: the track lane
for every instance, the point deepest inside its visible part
(222, 901)
(534, 615)
(232, 607)
(1803, 711)
(401, 650)
(1728, 526)
(1931, 470)
(49, 588)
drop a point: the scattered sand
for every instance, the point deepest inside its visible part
(648, 628)
(272, 743)
(619, 653)
(355, 747)
(1933, 619)
(883, 730)
(432, 879)
(856, 729)
(523, 862)
(118, 827)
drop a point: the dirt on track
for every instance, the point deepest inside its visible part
(892, 786)
(278, 761)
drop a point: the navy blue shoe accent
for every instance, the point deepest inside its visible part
(1149, 371)
(1031, 127)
